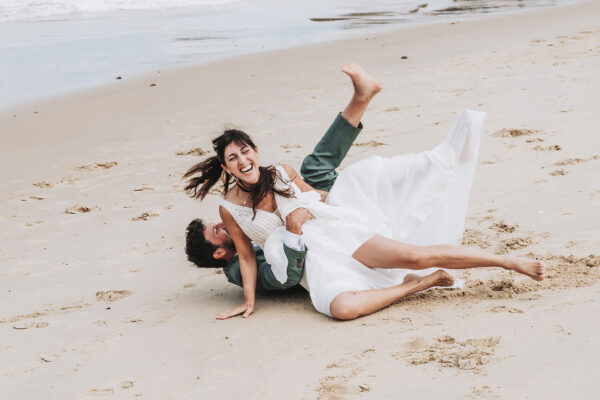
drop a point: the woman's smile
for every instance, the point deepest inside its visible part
(242, 162)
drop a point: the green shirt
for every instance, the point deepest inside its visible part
(265, 279)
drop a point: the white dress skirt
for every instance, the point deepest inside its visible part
(418, 199)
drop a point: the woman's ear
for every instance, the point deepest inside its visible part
(226, 169)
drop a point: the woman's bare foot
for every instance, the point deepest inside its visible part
(535, 269)
(440, 278)
(437, 278)
(365, 87)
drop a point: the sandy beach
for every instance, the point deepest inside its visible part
(99, 300)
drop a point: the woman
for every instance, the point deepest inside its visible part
(381, 218)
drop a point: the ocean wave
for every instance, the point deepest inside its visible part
(12, 10)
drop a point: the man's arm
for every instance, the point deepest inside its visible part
(318, 168)
(294, 250)
(265, 280)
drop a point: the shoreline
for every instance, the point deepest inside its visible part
(100, 298)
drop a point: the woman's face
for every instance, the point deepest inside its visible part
(242, 162)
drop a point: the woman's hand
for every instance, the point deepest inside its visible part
(245, 308)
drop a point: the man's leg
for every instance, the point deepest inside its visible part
(365, 88)
(381, 252)
(351, 305)
(318, 168)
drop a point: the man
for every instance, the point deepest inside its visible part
(209, 245)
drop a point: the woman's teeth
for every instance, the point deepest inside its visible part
(246, 170)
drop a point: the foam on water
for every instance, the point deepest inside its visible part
(12, 10)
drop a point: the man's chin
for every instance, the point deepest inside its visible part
(229, 245)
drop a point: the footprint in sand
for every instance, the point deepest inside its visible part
(569, 161)
(503, 227)
(50, 358)
(126, 384)
(500, 309)
(101, 392)
(77, 209)
(144, 188)
(33, 223)
(548, 148)
(447, 352)
(145, 216)
(92, 167)
(514, 132)
(27, 325)
(472, 237)
(514, 244)
(559, 172)
(371, 143)
(112, 295)
(42, 185)
(196, 151)
(338, 383)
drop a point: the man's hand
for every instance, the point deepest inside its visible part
(297, 218)
(245, 308)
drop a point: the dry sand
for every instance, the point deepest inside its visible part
(98, 299)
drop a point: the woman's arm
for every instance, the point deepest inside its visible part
(248, 267)
(303, 186)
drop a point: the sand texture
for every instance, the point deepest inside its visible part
(98, 299)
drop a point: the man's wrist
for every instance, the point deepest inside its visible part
(293, 241)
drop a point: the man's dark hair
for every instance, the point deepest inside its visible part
(198, 249)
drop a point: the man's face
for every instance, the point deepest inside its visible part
(217, 235)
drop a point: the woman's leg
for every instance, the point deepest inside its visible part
(365, 88)
(350, 305)
(381, 252)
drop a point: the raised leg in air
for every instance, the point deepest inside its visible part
(365, 88)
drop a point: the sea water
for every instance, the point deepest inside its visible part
(52, 47)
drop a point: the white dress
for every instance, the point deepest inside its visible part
(413, 198)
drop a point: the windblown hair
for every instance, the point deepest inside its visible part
(198, 249)
(204, 175)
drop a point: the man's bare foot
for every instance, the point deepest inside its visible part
(365, 87)
(411, 277)
(535, 269)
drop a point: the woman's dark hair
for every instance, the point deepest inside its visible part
(210, 172)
